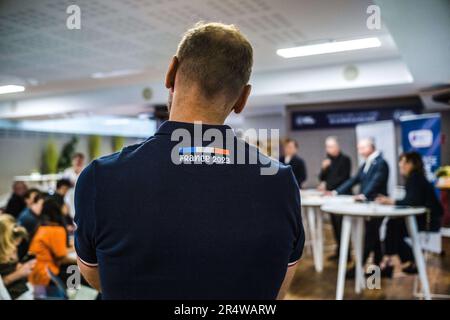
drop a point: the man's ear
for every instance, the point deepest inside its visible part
(171, 73)
(242, 100)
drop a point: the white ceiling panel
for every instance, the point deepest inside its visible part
(143, 34)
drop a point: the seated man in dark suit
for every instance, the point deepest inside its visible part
(290, 157)
(372, 177)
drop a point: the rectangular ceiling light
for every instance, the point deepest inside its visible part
(114, 74)
(329, 47)
(11, 89)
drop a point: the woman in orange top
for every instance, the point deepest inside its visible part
(49, 245)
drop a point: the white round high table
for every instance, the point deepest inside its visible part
(311, 201)
(353, 223)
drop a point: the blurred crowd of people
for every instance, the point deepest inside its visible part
(36, 228)
(371, 179)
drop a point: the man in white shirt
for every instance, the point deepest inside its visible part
(72, 174)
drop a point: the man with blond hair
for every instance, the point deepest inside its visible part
(177, 217)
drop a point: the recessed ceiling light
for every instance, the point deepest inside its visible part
(114, 74)
(329, 47)
(143, 116)
(11, 89)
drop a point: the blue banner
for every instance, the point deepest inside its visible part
(423, 135)
(304, 120)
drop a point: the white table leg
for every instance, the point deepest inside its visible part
(312, 232)
(358, 242)
(411, 223)
(319, 235)
(343, 254)
(308, 243)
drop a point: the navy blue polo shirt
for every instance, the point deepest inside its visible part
(204, 227)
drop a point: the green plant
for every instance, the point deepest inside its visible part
(117, 143)
(67, 153)
(50, 157)
(94, 146)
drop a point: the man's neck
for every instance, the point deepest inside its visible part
(189, 107)
(191, 118)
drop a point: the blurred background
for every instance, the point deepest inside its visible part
(94, 89)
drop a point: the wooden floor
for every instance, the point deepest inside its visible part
(308, 284)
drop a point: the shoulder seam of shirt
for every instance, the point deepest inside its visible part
(94, 198)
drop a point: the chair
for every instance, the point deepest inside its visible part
(60, 290)
(4, 294)
(431, 243)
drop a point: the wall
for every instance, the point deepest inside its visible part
(264, 121)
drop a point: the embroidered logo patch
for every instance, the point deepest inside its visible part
(204, 155)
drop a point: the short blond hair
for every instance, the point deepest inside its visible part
(216, 56)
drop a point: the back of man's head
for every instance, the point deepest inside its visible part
(218, 58)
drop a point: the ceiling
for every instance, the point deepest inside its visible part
(140, 36)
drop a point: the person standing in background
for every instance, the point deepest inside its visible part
(335, 170)
(74, 171)
(290, 157)
(72, 175)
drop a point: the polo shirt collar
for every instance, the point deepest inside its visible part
(168, 127)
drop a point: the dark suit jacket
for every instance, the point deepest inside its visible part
(420, 192)
(338, 171)
(298, 167)
(372, 183)
(15, 206)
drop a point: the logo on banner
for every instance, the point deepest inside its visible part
(422, 138)
(305, 120)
